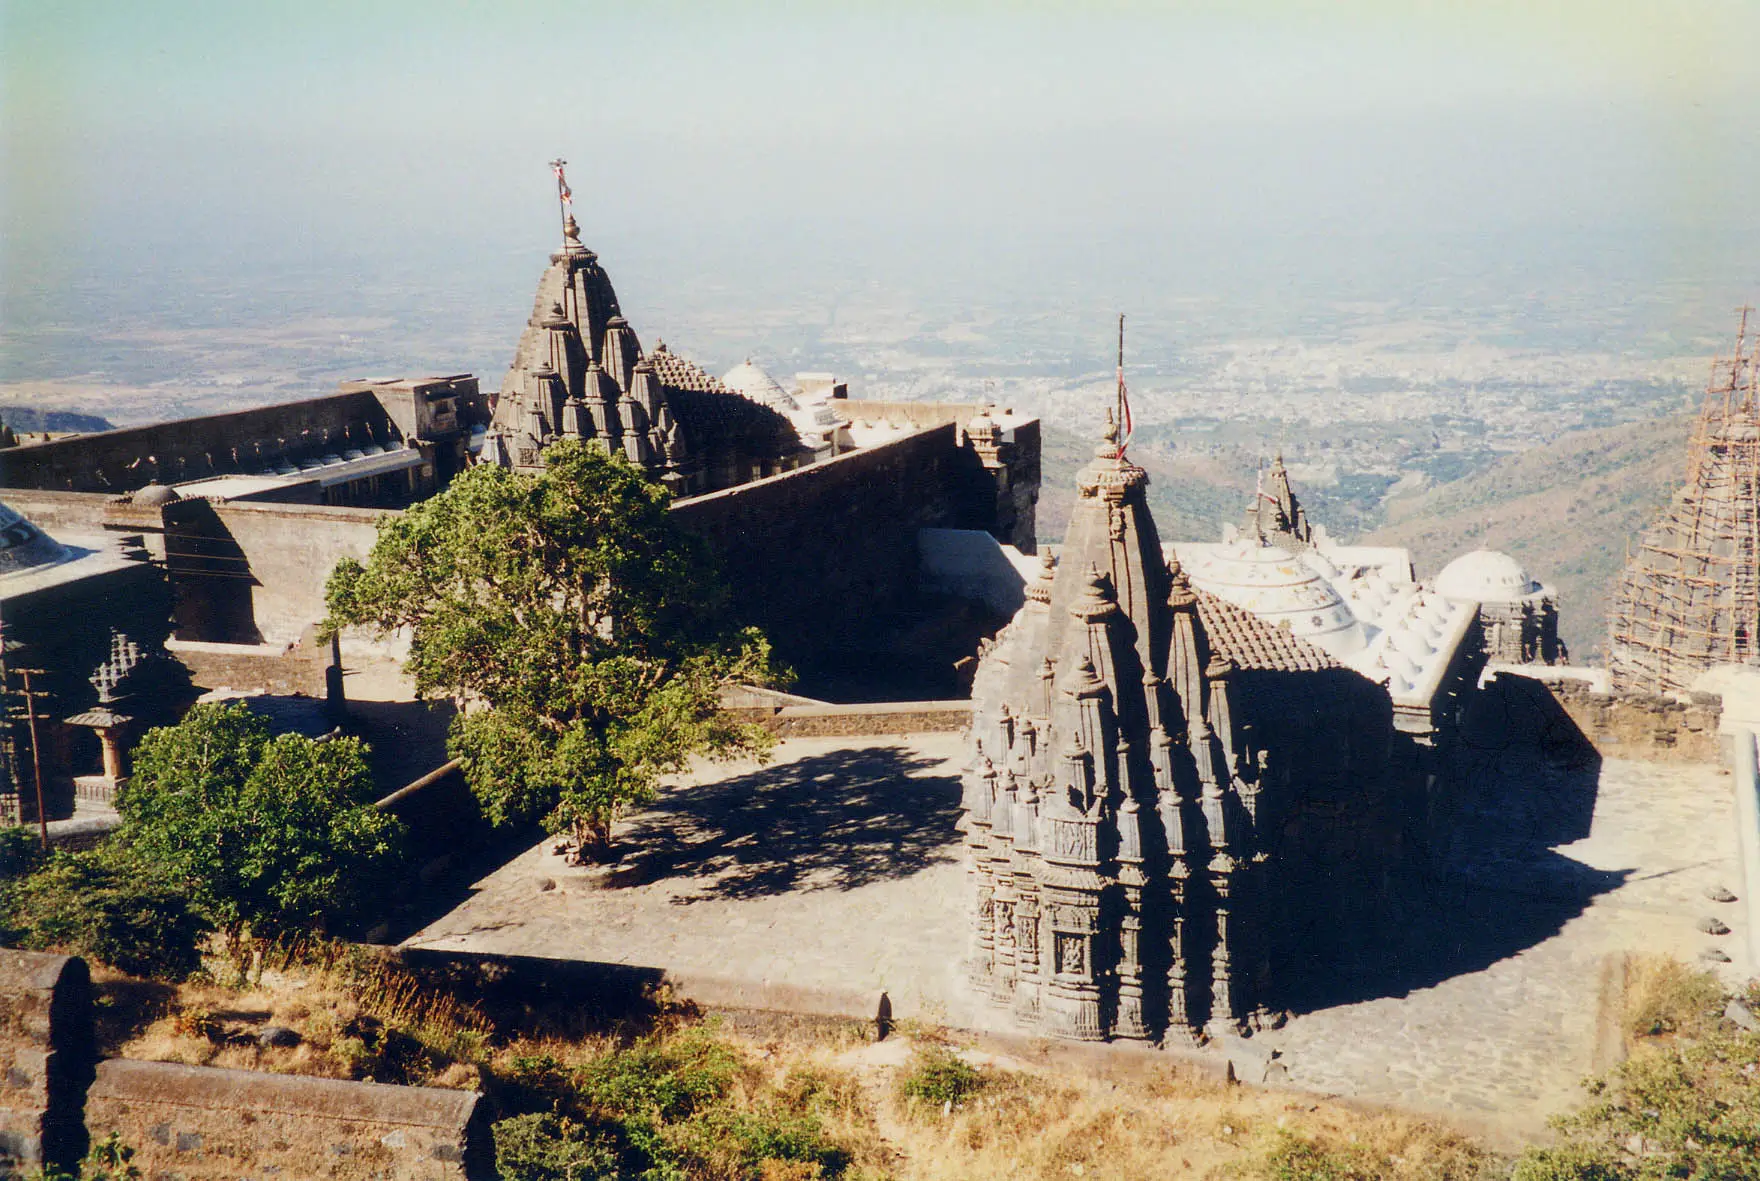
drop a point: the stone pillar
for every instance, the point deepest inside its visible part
(110, 739)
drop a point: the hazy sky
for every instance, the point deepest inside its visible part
(1162, 143)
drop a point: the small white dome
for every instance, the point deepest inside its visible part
(750, 381)
(1486, 576)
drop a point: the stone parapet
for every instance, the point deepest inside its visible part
(889, 717)
(45, 1059)
(1644, 725)
(201, 1123)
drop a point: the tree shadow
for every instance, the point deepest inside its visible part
(835, 821)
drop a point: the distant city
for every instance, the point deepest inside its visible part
(1369, 383)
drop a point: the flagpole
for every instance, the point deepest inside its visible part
(1123, 406)
(556, 167)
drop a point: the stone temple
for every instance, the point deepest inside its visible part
(579, 372)
(1171, 800)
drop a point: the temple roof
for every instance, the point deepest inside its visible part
(677, 373)
(1252, 643)
(24, 547)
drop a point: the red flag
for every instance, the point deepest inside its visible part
(562, 189)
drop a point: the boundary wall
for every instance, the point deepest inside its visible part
(1633, 725)
(201, 1123)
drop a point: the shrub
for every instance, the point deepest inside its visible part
(667, 1078)
(110, 908)
(1685, 1104)
(940, 1078)
(543, 1147)
(1664, 995)
(274, 833)
(669, 1108)
(21, 852)
(1298, 1158)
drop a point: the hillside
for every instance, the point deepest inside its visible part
(1565, 510)
(1190, 496)
(29, 418)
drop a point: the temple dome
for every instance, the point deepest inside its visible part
(154, 495)
(750, 381)
(25, 547)
(1486, 576)
(1279, 587)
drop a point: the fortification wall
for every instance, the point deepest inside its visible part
(887, 717)
(1644, 726)
(187, 449)
(288, 552)
(302, 669)
(57, 513)
(813, 554)
(45, 1059)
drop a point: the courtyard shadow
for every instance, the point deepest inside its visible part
(1495, 886)
(838, 820)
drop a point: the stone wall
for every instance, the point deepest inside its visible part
(204, 1124)
(198, 1123)
(187, 449)
(289, 552)
(57, 513)
(887, 717)
(819, 554)
(1639, 725)
(45, 1059)
(302, 669)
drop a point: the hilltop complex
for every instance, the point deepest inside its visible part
(213, 537)
(1689, 597)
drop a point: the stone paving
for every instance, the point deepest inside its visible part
(834, 874)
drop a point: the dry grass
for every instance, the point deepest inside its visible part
(1663, 995)
(1175, 1125)
(361, 1018)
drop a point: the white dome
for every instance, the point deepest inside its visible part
(1278, 587)
(1486, 576)
(750, 381)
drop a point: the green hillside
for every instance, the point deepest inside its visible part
(1564, 510)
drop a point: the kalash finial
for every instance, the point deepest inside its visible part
(1108, 448)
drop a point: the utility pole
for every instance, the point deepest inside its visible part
(30, 713)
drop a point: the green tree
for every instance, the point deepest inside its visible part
(273, 833)
(581, 632)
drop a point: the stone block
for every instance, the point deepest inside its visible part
(200, 1123)
(46, 1057)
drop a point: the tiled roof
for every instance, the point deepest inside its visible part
(709, 412)
(1250, 642)
(677, 373)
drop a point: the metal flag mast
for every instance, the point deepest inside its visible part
(1124, 402)
(564, 194)
(564, 202)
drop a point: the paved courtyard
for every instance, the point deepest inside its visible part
(833, 874)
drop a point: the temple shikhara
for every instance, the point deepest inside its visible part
(579, 372)
(1689, 598)
(1168, 795)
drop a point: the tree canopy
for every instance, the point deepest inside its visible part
(274, 833)
(582, 633)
